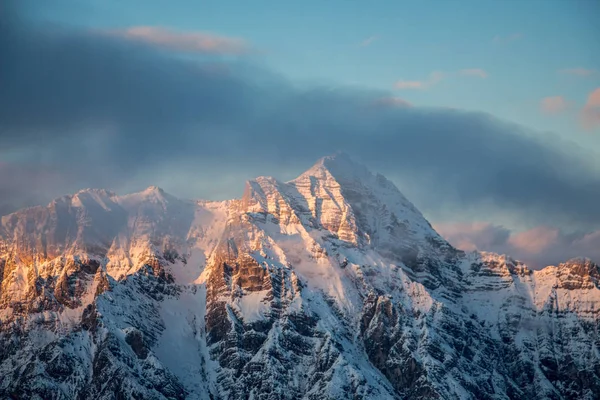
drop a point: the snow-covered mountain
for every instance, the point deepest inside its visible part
(330, 286)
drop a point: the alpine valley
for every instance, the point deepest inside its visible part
(330, 286)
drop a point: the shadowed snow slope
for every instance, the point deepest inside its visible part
(329, 286)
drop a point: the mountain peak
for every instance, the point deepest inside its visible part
(339, 166)
(170, 298)
(343, 169)
(337, 157)
(97, 191)
(153, 189)
(583, 265)
(372, 209)
(152, 194)
(579, 261)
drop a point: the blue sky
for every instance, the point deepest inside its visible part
(521, 46)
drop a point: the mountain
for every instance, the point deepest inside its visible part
(330, 286)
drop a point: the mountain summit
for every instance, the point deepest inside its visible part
(329, 286)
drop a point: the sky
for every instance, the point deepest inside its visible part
(486, 114)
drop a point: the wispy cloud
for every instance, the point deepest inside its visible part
(553, 105)
(590, 115)
(538, 247)
(477, 72)
(368, 41)
(470, 236)
(579, 71)
(434, 78)
(536, 240)
(192, 42)
(508, 38)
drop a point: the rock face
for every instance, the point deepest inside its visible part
(330, 286)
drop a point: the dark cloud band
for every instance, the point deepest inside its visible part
(102, 111)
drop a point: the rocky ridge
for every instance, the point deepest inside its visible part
(330, 286)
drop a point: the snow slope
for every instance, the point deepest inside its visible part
(332, 285)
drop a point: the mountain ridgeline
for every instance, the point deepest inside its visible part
(330, 286)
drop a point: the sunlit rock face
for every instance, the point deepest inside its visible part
(330, 286)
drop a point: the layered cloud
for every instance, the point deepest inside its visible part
(192, 42)
(391, 101)
(590, 115)
(538, 247)
(82, 109)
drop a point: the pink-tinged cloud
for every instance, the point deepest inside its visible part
(535, 240)
(368, 41)
(434, 78)
(471, 236)
(437, 76)
(476, 72)
(508, 38)
(579, 71)
(553, 104)
(536, 247)
(192, 42)
(590, 115)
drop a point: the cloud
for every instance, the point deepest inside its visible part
(434, 78)
(477, 72)
(391, 101)
(578, 71)
(401, 85)
(553, 105)
(368, 41)
(104, 111)
(38, 177)
(471, 236)
(537, 247)
(536, 240)
(590, 115)
(192, 42)
(507, 39)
